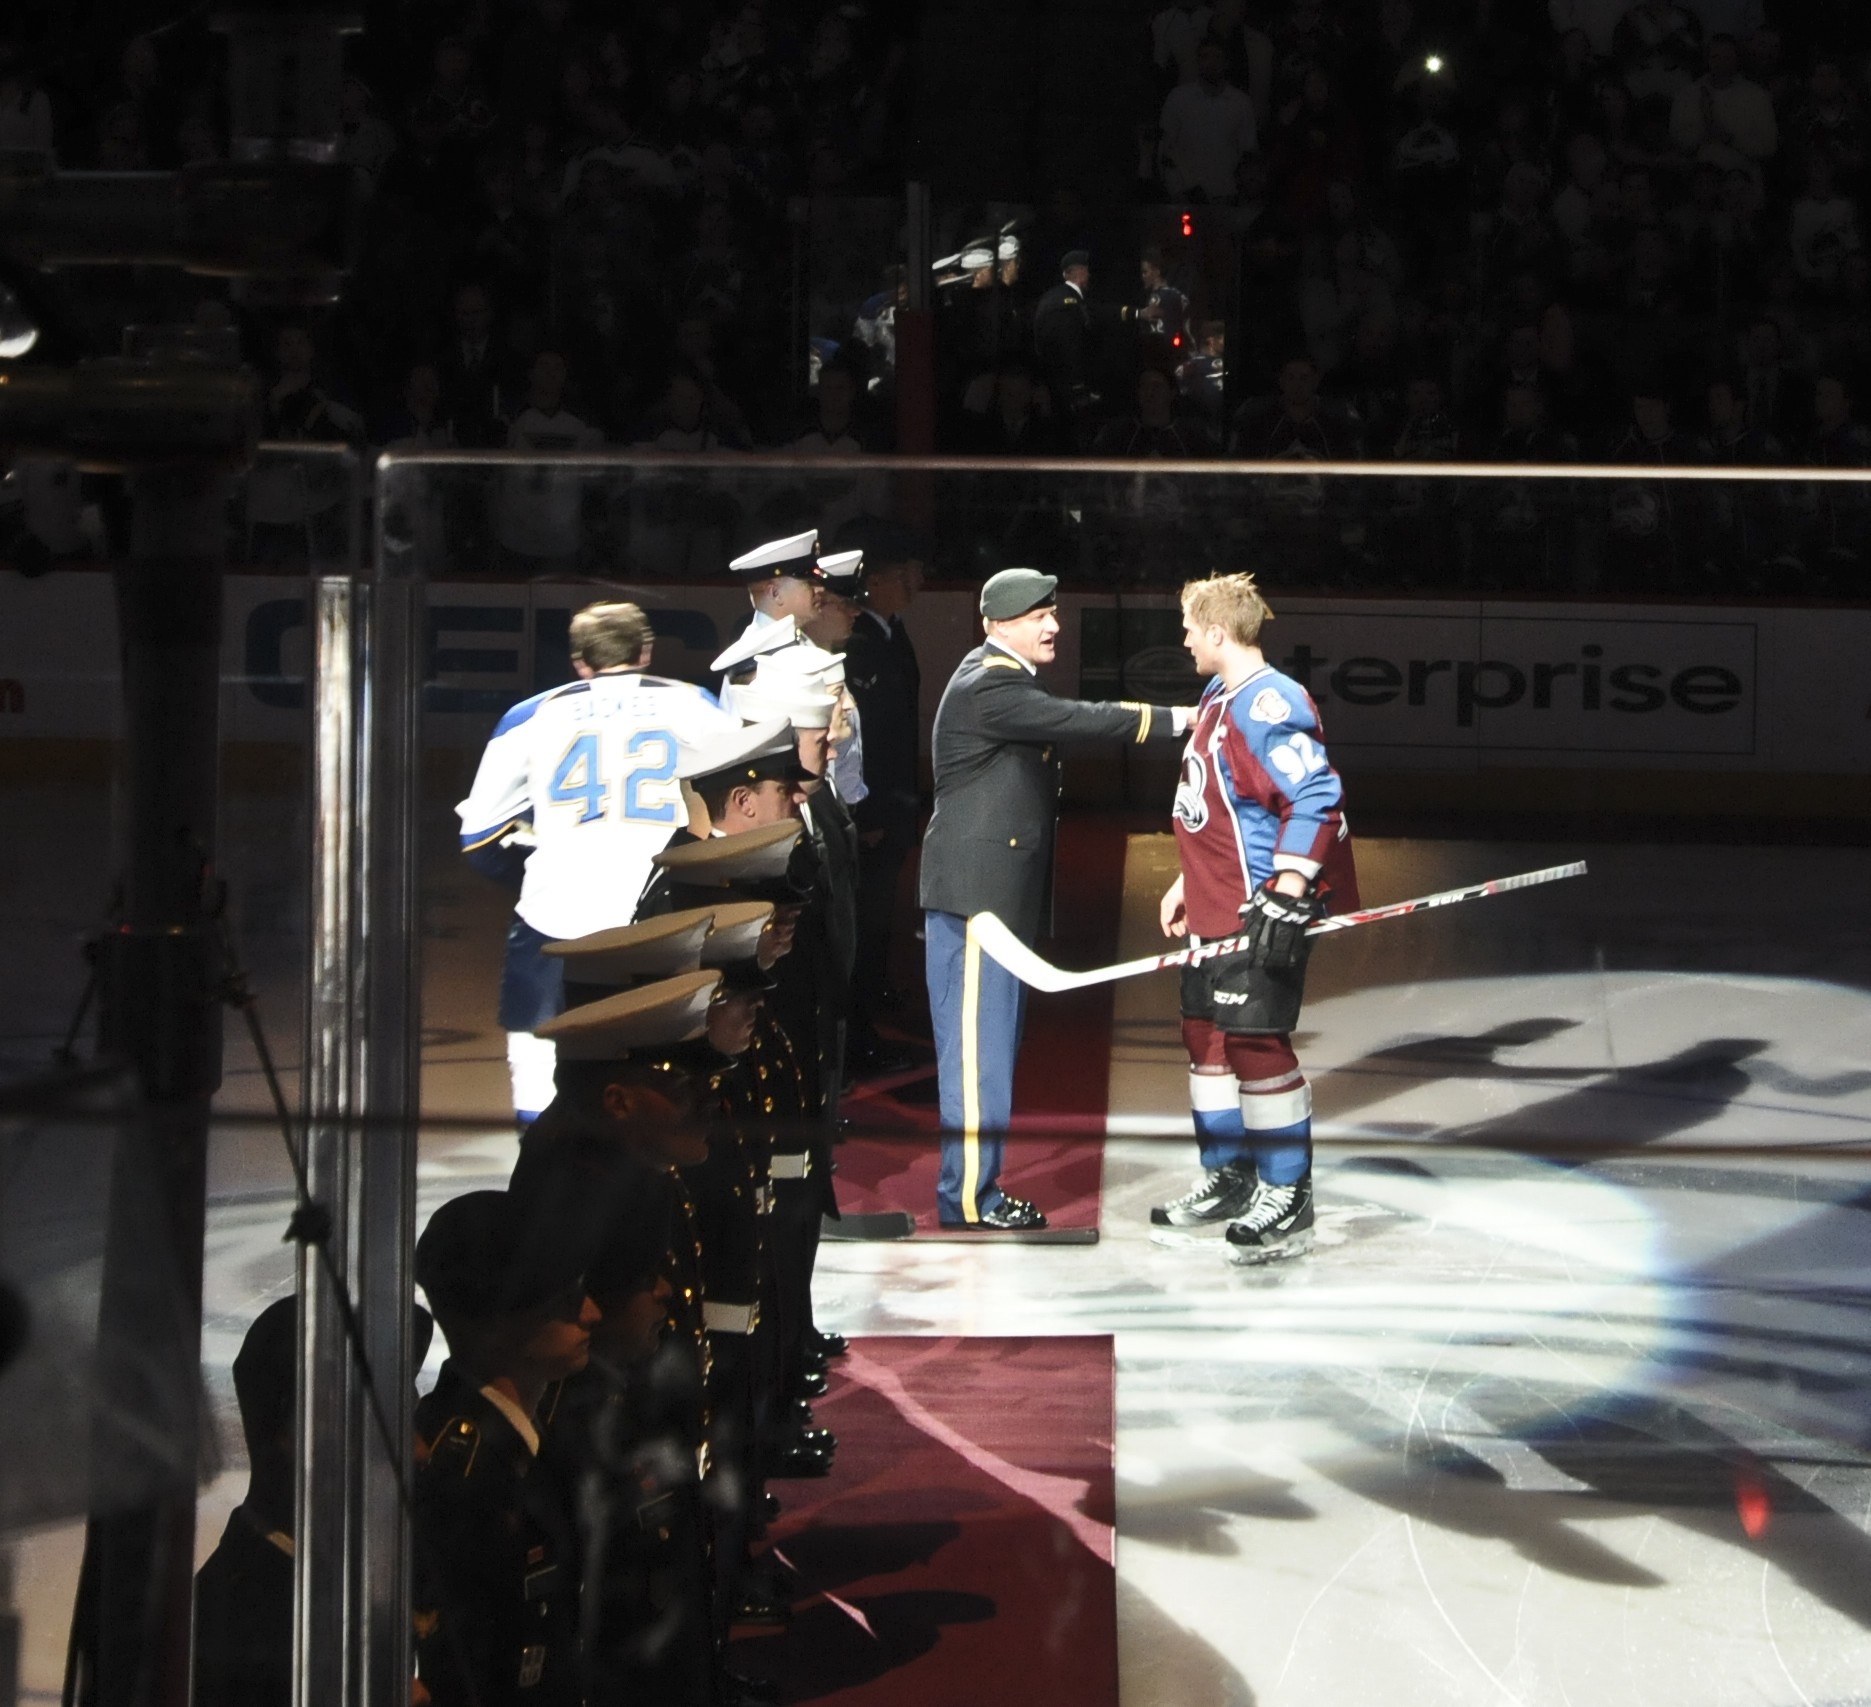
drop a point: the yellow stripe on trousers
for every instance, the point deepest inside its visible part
(970, 1075)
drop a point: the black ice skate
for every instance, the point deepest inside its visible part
(1209, 1205)
(1278, 1224)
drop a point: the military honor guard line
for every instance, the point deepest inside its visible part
(693, 967)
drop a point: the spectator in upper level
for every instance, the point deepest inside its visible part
(1425, 179)
(1207, 125)
(1645, 521)
(712, 278)
(366, 138)
(1249, 48)
(1314, 144)
(455, 89)
(1599, 19)
(1155, 430)
(1012, 416)
(835, 429)
(532, 57)
(1308, 37)
(480, 379)
(296, 510)
(1832, 117)
(1514, 237)
(1835, 535)
(149, 96)
(1296, 421)
(417, 422)
(511, 248)
(537, 509)
(1523, 528)
(1657, 47)
(1730, 438)
(683, 420)
(696, 344)
(1574, 207)
(1737, 18)
(742, 72)
(1837, 440)
(1176, 33)
(1526, 434)
(1373, 375)
(1773, 390)
(1571, 92)
(1823, 227)
(428, 183)
(1722, 116)
(25, 108)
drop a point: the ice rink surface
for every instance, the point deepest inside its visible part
(1535, 1423)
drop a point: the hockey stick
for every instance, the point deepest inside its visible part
(994, 937)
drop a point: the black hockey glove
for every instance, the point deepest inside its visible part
(1275, 926)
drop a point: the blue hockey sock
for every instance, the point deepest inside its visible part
(1215, 1101)
(1276, 1115)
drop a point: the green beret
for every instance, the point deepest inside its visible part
(1014, 592)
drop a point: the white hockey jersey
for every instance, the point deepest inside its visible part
(587, 773)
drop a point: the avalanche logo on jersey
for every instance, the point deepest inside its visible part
(1270, 706)
(1191, 810)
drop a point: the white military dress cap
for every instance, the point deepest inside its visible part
(795, 556)
(764, 637)
(746, 748)
(773, 693)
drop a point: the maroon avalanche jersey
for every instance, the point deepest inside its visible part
(1258, 795)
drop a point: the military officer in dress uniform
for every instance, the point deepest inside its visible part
(497, 1578)
(729, 1190)
(243, 1594)
(1062, 334)
(795, 1051)
(884, 678)
(781, 577)
(630, 1117)
(989, 849)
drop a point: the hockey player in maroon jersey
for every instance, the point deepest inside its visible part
(1265, 850)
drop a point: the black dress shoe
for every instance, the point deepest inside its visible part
(758, 1604)
(812, 1383)
(770, 1506)
(1010, 1215)
(797, 1463)
(828, 1345)
(801, 1414)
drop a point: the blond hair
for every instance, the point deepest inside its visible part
(604, 636)
(1229, 602)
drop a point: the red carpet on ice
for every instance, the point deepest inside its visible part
(961, 1552)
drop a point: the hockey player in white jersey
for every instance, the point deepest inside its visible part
(575, 795)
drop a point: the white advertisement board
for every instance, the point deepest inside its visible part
(1407, 685)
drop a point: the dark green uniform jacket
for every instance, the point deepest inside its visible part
(997, 769)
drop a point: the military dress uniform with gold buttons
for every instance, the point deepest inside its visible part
(496, 1589)
(989, 849)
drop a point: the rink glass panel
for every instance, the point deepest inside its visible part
(296, 513)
